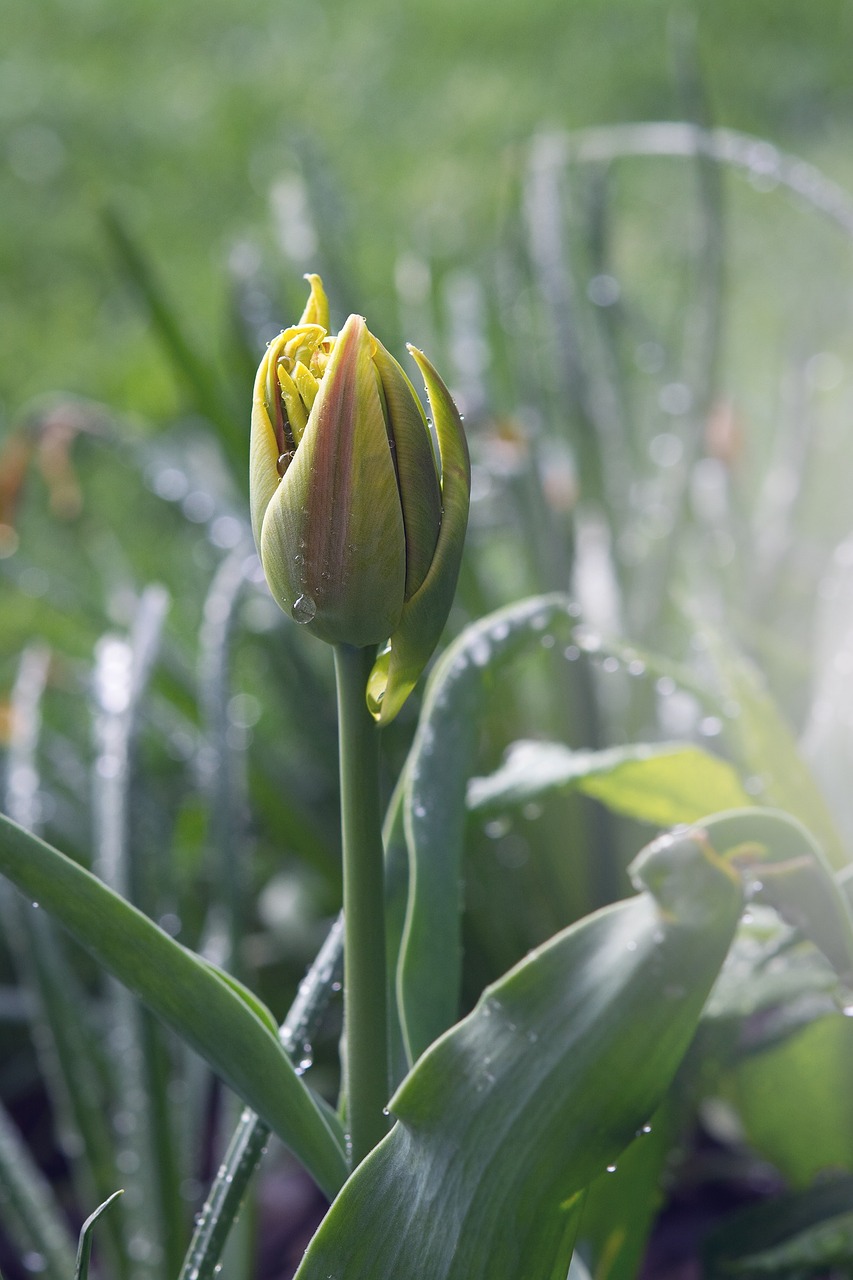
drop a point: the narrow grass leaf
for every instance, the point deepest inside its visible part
(511, 1114)
(31, 1216)
(84, 1247)
(182, 991)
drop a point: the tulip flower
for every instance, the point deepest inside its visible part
(358, 524)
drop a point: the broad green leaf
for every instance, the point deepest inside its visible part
(84, 1247)
(508, 1117)
(664, 784)
(794, 1100)
(183, 991)
(801, 1234)
(437, 771)
(258, 1008)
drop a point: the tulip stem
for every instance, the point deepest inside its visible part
(365, 1027)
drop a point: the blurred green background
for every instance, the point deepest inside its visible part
(194, 120)
(654, 357)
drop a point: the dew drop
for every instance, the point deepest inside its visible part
(303, 609)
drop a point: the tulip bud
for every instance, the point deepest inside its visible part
(359, 527)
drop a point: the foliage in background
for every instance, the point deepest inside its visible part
(640, 442)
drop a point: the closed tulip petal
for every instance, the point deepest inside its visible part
(317, 307)
(264, 452)
(420, 493)
(332, 542)
(399, 666)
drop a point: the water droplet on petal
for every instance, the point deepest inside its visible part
(303, 609)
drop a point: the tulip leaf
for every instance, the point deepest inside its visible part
(439, 764)
(510, 1115)
(184, 991)
(664, 784)
(770, 971)
(814, 1067)
(791, 874)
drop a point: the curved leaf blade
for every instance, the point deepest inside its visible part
(440, 761)
(508, 1117)
(84, 1246)
(183, 991)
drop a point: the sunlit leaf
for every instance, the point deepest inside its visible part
(664, 784)
(794, 1100)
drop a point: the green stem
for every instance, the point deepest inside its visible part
(365, 1030)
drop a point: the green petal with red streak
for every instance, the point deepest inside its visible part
(333, 532)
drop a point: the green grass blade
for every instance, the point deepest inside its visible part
(182, 991)
(436, 773)
(514, 1111)
(195, 372)
(71, 1066)
(250, 1137)
(30, 1213)
(798, 1234)
(84, 1247)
